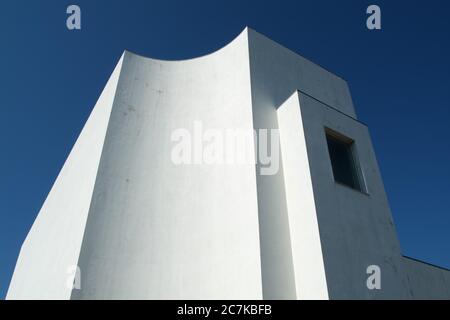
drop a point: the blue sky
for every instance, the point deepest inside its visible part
(399, 77)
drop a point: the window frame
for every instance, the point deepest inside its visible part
(355, 166)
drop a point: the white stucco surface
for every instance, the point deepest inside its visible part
(141, 226)
(309, 271)
(356, 228)
(427, 281)
(53, 244)
(157, 230)
(276, 73)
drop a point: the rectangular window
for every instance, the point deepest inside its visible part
(343, 160)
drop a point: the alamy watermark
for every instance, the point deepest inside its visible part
(374, 280)
(73, 21)
(374, 20)
(229, 146)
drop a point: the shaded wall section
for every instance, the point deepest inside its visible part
(276, 73)
(427, 281)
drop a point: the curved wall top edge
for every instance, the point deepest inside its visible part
(220, 49)
(204, 56)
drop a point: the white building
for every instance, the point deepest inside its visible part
(140, 226)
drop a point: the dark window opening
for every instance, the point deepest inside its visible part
(343, 160)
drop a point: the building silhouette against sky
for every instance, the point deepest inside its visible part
(138, 225)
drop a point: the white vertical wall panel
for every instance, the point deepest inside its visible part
(53, 244)
(157, 230)
(309, 272)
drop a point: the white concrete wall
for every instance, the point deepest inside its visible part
(356, 228)
(309, 271)
(427, 281)
(275, 74)
(54, 241)
(140, 226)
(160, 231)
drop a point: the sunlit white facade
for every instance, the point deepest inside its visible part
(139, 226)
